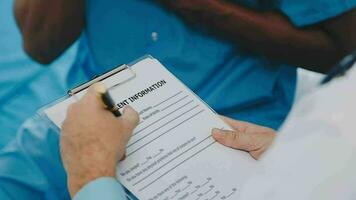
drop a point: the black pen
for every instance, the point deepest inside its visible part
(341, 68)
(107, 100)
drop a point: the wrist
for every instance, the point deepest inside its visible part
(78, 180)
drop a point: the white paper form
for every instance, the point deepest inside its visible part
(171, 154)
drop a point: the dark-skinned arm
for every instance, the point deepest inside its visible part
(49, 27)
(316, 47)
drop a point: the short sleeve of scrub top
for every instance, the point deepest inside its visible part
(307, 12)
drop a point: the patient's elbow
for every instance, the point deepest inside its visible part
(39, 52)
(35, 38)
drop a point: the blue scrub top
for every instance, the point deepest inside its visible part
(232, 80)
(30, 165)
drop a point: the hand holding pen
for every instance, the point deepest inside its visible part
(93, 140)
(106, 99)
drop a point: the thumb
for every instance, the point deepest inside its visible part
(130, 118)
(234, 139)
(92, 98)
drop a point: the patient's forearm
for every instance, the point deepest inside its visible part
(268, 33)
(49, 27)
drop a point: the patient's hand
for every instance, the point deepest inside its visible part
(245, 136)
(93, 140)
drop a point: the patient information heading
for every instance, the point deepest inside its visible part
(142, 93)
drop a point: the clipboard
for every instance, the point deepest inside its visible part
(172, 143)
(82, 87)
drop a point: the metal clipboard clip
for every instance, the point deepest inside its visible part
(119, 69)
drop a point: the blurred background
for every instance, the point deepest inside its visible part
(21, 79)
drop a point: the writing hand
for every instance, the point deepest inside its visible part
(93, 140)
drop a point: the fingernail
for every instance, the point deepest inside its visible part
(217, 133)
(99, 88)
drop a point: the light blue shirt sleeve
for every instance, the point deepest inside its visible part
(102, 188)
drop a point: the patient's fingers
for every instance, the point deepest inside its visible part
(235, 139)
(245, 136)
(235, 124)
